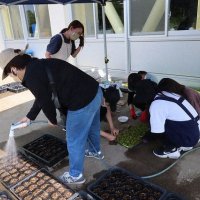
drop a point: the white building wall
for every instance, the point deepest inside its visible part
(162, 56)
(169, 58)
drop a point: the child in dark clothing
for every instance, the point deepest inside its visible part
(111, 96)
(141, 94)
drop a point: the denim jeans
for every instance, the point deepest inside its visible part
(83, 125)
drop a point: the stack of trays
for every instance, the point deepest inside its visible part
(47, 150)
(118, 183)
(4, 196)
(43, 186)
(15, 87)
(15, 169)
(3, 89)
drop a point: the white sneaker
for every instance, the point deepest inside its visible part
(185, 148)
(68, 179)
(170, 153)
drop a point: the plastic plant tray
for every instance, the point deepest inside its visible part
(4, 196)
(15, 169)
(117, 183)
(47, 150)
(84, 196)
(17, 89)
(133, 135)
(43, 185)
(3, 89)
(173, 196)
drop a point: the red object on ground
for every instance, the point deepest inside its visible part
(144, 116)
(132, 113)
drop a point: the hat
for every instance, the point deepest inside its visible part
(6, 57)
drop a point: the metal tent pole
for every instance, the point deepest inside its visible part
(106, 60)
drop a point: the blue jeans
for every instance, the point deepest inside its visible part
(83, 125)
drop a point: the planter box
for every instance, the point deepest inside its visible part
(15, 169)
(46, 150)
(43, 185)
(118, 183)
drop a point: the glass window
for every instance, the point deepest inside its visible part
(114, 12)
(37, 20)
(84, 13)
(11, 21)
(183, 15)
(147, 17)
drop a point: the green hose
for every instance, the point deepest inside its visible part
(169, 167)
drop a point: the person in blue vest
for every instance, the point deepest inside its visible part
(172, 115)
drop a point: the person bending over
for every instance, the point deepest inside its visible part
(47, 78)
(141, 94)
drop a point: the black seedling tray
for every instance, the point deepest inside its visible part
(47, 150)
(84, 196)
(3, 89)
(43, 185)
(117, 183)
(14, 169)
(4, 195)
(173, 196)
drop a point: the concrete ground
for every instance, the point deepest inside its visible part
(183, 178)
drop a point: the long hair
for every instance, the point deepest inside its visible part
(170, 85)
(74, 24)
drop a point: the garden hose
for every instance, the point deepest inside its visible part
(170, 166)
(108, 166)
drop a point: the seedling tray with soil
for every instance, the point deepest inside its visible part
(15, 169)
(43, 186)
(132, 136)
(4, 196)
(47, 150)
(119, 184)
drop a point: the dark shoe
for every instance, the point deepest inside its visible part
(167, 153)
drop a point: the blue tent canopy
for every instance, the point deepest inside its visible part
(20, 2)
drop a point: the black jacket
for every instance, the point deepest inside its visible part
(75, 89)
(144, 92)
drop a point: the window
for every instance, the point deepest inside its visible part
(183, 15)
(84, 13)
(114, 12)
(147, 17)
(11, 22)
(37, 20)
